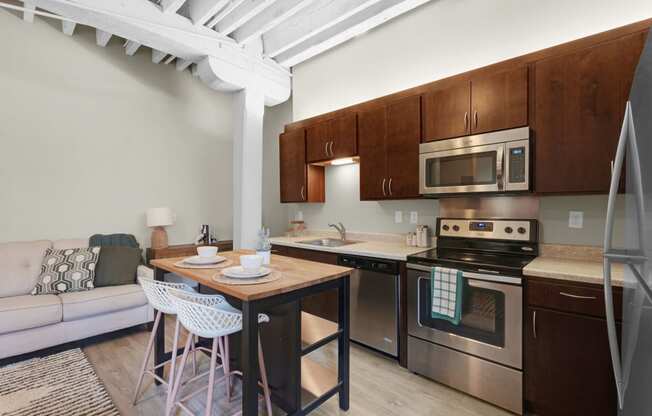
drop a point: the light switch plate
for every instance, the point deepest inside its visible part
(576, 219)
(299, 216)
(398, 217)
(414, 217)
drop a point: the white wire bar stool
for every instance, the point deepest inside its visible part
(202, 317)
(157, 294)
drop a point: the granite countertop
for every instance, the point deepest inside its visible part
(585, 267)
(379, 246)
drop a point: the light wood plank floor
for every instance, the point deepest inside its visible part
(379, 386)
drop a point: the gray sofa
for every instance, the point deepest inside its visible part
(30, 323)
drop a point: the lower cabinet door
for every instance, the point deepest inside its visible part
(567, 365)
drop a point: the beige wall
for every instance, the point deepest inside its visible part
(90, 138)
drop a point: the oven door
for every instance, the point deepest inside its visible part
(467, 169)
(492, 315)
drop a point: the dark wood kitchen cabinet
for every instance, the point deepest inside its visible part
(567, 359)
(580, 103)
(389, 139)
(480, 104)
(300, 182)
(332, 139)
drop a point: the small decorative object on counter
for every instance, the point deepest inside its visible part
(296, 228)
(411, 239)
(423, 236)
(264, 246)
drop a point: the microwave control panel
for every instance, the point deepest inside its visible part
(517, 165)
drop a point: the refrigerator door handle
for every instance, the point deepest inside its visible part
(630, 258)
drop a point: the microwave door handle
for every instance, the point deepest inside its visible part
(500, 167)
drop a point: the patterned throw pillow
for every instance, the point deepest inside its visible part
(68, 270)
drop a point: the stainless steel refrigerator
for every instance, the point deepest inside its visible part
(632, 356)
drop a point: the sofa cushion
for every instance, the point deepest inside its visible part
(117, 266)
(101, 300)
(69, 270)
(25, 312)
(20, 266)
(70, 243)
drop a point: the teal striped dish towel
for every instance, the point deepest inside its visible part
(446, 289)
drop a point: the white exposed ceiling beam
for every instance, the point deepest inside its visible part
(226, 65)
(321, 15)
(131, 47)
(171, 6)
(224, 12)
(170, 59)
(182, 64)
(102, 38)
(201, 11)
(28, 14)
(241, 15)
(269, 19)
(157, 56)
(68, 27)
(347, 29)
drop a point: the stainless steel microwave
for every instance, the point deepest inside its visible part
(493, 162)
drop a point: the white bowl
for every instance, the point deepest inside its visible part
(207, 251)
(251, 262)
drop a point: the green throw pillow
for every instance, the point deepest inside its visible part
(117, 266)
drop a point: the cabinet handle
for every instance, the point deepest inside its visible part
(384, 193)
(534, 324)
(466, 120)
(303, 194)
(389, 186)
(611, 165)
(475, 118)
(570, 295)
(331, 148)
(326, 148)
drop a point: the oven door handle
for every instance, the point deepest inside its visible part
(419, 279)
(472, 275)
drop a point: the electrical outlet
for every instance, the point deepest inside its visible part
(414, 217)
(576, 219)
(398, 217)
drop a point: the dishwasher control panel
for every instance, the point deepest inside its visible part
(366, 263)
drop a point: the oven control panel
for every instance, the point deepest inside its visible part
(493, 229)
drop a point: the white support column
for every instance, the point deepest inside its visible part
(248, 111)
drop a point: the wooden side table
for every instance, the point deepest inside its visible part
(181, 250)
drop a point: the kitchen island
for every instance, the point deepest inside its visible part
(291, 373)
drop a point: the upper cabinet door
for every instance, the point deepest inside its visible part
(446, 112)
(344, 139)
(372, 130)
(332, 139)
(580, 103)
(499, 101)
(402, 144)
(292, 150)
(317, 141)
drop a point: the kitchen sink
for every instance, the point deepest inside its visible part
(328, 242)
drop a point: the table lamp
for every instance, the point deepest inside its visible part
(158, 219)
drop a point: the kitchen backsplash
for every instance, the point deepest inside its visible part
(343, 205)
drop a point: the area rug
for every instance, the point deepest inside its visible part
(56, 385)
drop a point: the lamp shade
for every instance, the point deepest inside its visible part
(159, 217)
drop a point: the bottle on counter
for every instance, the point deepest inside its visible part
(423, 236)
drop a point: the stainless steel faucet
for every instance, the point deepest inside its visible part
(340, 229)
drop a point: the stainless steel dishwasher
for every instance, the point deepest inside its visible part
(374, 302)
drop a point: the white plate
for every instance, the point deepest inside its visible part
(201, 261)
(238, 272)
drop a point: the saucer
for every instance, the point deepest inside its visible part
(200, 261)
(238, 272)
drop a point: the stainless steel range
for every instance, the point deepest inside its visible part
(483, 354)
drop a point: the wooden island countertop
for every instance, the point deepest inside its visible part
(295, 274)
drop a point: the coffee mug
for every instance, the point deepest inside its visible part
(207, 251)
(251, 262)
